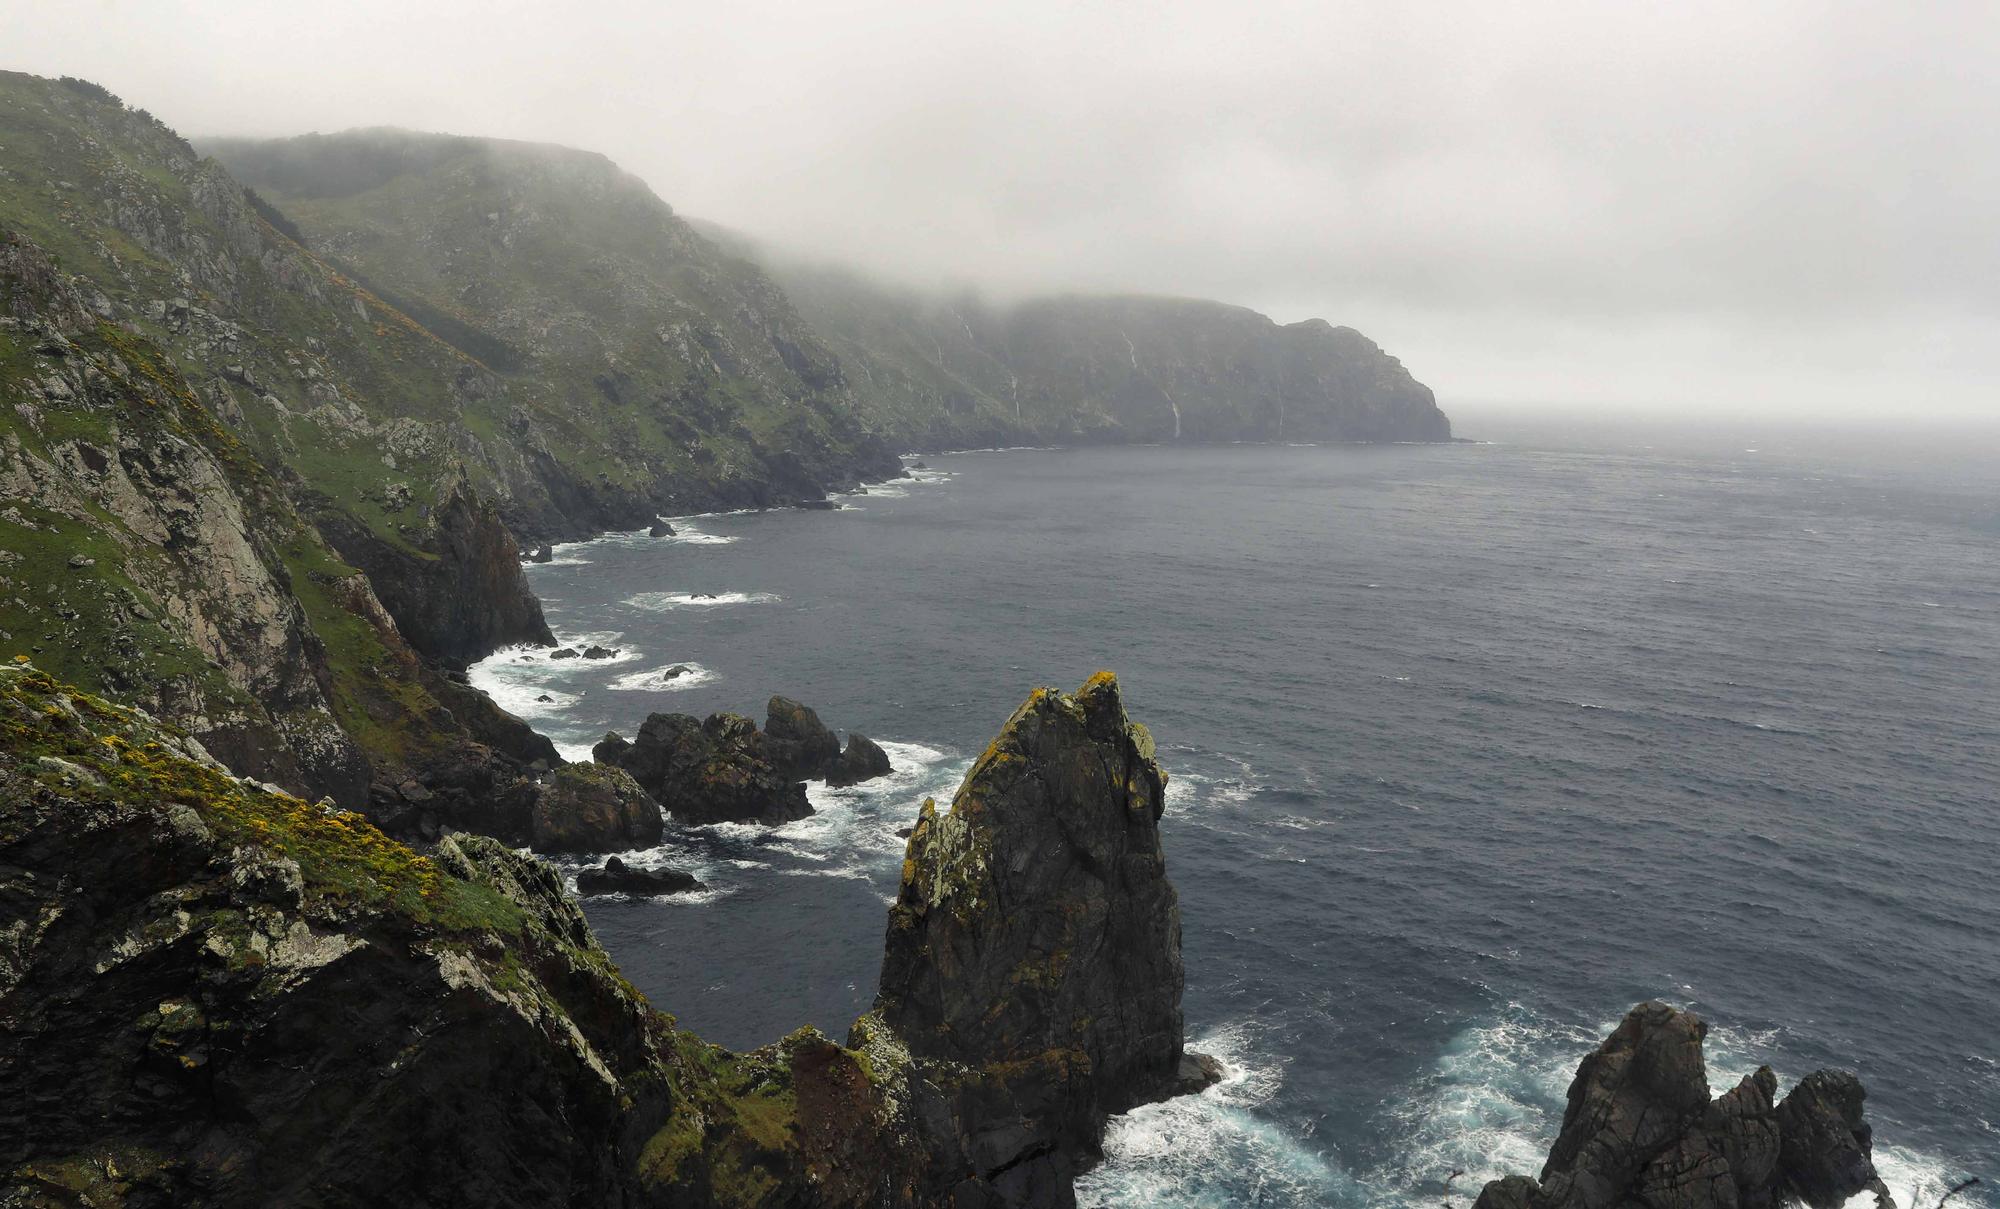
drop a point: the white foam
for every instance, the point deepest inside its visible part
(661, 601)
(1186, 790)
(687, 534)
(1215, 1148)
(1917, 1181)
(575, 753)
(517, 678)
(656, 680)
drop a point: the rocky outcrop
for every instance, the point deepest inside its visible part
(1640, 1129)
(803, 748)
(593, 808)
(459, 594)
(797, 743)
(1033, 961)
(617, 877)
(864, 760)
(220, 996)
(215, 995)
(190, 598)
(707, 771)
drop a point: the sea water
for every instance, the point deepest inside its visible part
(1472, 747)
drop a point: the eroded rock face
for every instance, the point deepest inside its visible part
(708, 771)
(463, 597)
(1640, 1129)
(1034, 946)
(593, 808)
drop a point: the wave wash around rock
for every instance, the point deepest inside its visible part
(214, 994)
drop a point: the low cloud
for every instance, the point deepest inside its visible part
(1704, 205)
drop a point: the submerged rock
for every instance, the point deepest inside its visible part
(864, 760)
(617, 877)
(707, 771)
(1640, 1129)
(591, 807)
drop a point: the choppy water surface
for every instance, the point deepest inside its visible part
(1472, 747)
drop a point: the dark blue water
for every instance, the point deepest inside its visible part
(1473, 747)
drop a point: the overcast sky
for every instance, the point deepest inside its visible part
(1731, 206)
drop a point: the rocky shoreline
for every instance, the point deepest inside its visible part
(233, 997)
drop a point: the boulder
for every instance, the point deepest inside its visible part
(542, 553)
(863, 760)
(564, 652)
(617, 877)
(600, 652)
(590, 807)
(796, 742)
(708, 771)
(1640, 1129)
(660, 529)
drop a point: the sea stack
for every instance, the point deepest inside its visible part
(1033, 961)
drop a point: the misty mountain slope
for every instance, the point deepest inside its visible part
(646, 369)
(937, 372)
(230, 489)
(145, 552)
(348, 401)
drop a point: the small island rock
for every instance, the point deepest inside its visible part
(617, 877)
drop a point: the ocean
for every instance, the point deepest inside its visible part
(1472, 747)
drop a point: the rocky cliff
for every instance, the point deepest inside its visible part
(214, 450)
(217, 995)
(1640, 1129)
(653, 364)
(935, 372)
(645, 369)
